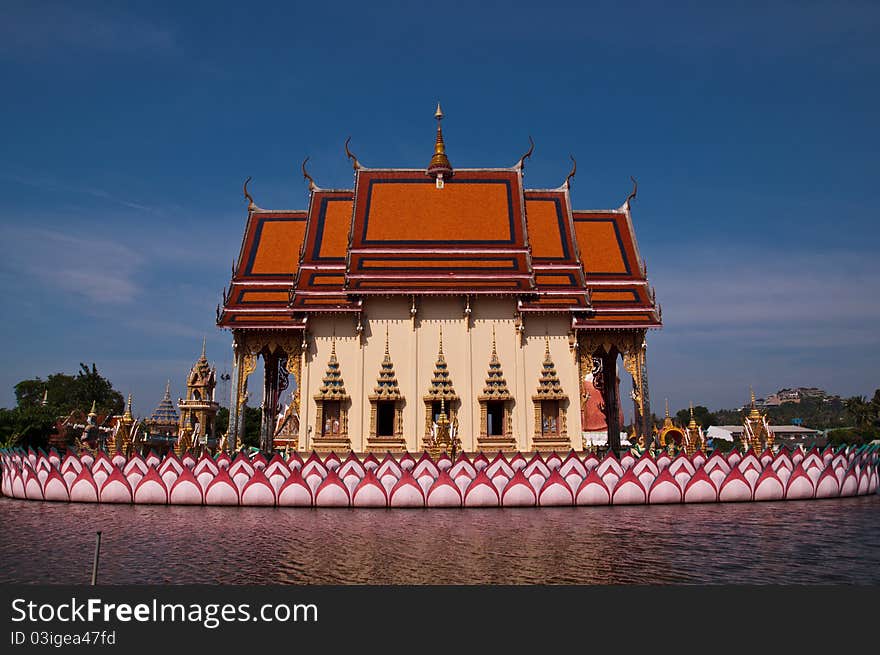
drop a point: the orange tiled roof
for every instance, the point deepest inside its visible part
(410, 236)
(397, 233)
(259, 292)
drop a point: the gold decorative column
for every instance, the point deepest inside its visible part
(551, 431)
(331, 432)
(441, 391)
(386, 390)
(495, 391)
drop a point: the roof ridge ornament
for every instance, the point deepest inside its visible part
(439, 167)
(632, 195)
(571, 174)
(520, 164)
(355, 164)
(251, 204)
(306, 176)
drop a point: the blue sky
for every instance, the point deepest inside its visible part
(128, 130)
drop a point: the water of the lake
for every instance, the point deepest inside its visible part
(797, 542)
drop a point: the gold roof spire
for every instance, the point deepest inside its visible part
(439, 168)
(386, 339)
(93, 412)
(494, 351)
(441, 339)
(667, 408)
(204, 347)
(127, 417)
(693, 422)
(754, 413)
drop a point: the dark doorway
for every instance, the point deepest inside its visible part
(494, 419)
(385, 419)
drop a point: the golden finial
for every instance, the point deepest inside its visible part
(251, 204)
(667, 408)
(168, 389)
(45, 400)
(754, 413)
(386, 339)
(439, 167)
(693, 422)
(127, 416)
(333, 347)
(93, 412)
(546, 347)
(204, 347)
(494, 351)
(441, 339)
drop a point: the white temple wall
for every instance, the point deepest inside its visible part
(414, 353)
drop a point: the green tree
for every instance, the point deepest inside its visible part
(702, 416)
(253, 417)
(859, 410)
(221, 423)
(31, 423)
(65, 393)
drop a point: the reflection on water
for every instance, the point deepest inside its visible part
(810, 542)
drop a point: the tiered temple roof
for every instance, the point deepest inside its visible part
(332, 386)
(441, 383)
(165, 414)
(496, 384)
(549, 386)
(386, 384)
(439, 231)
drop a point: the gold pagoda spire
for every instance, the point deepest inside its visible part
(667, 420)
(496, 385)
(754, 413)
(92, 412)
(693, 422)
(439, 168)
(127, 415)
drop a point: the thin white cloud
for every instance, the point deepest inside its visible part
(100, 270)
(42, 27)
(763, 290)
(47, 183)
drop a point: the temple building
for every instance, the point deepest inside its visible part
(198, 410)
(159, 432)
(422, 293)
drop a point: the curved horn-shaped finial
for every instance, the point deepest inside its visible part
(632, 195)
(528, 154)
(306, 176)
(574, 168)
(348, 153)
(251, 204)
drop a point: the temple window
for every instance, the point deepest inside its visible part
(550, 417)
(385, 419)
(495, 418)
(331, 418)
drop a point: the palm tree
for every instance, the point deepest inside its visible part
(860, 410)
